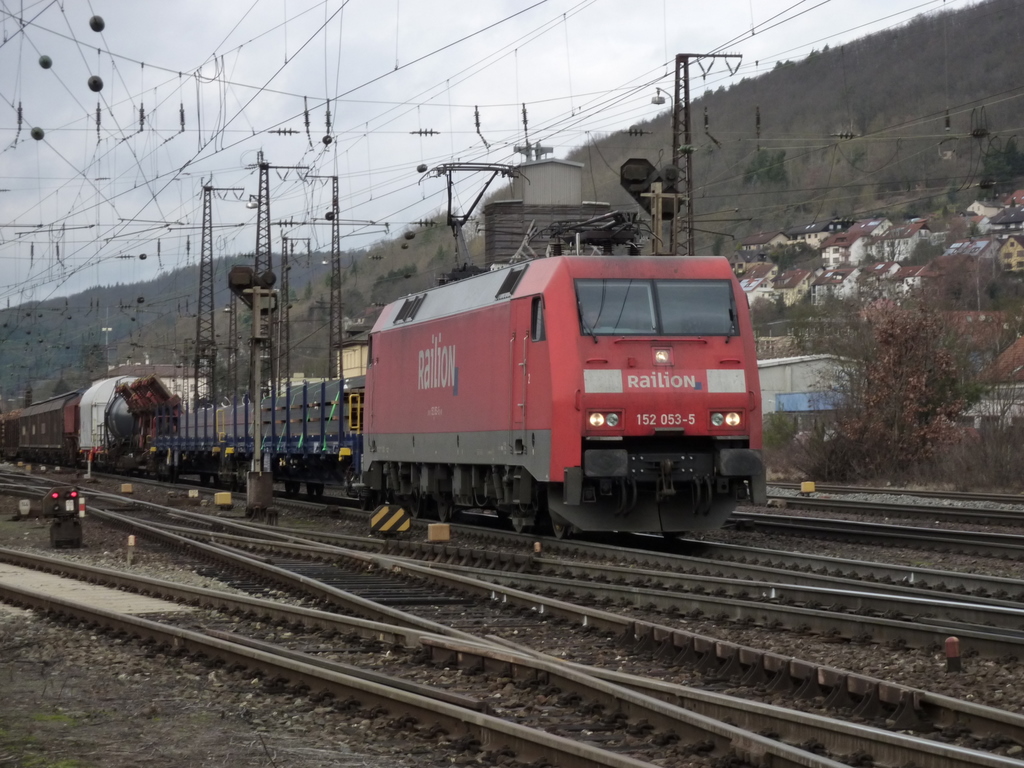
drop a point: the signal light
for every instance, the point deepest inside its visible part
(72, 494)
(55, 494)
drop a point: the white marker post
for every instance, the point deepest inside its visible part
(131, 548)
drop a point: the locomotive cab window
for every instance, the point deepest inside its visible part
(656, 308)
(696, 307)
(615, 307)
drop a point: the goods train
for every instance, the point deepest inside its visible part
(579, 393)
(310, 433)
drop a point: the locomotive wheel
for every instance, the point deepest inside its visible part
(445, 508)
(522, 524)
(416, 504)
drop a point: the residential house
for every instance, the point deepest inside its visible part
(877, 280)
(835, 249)
(987, 208)
(974, 247)
(1003, 402)
(910, 278)
(850, 247)
(837, 283)
(814, 234)
(756, 282)
(756, 248)
(898, 243)
(978, 223)
(1014, 198)
(1009, 221)
(1011, 253)
(793, 285)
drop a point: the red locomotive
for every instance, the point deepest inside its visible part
(593, 393)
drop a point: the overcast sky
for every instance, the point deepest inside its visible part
(80, 205)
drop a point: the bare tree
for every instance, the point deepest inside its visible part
(899, 386)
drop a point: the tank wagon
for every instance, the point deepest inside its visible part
(591, 393)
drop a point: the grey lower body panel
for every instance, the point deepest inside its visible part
(530, 449)
(615, 490)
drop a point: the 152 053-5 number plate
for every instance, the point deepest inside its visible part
(665, 419)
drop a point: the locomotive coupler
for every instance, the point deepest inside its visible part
(665, 487)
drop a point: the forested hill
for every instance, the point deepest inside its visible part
(906, 121)
(916, 120)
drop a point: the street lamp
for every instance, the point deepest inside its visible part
(659, 97)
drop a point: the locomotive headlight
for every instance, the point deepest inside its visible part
(596, 419)
(732, 419)
(612, 420)
(663, 357)
(717, 419)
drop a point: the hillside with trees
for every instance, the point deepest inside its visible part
(917, 120)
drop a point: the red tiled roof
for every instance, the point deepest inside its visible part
(1009, 366)
(759, 270)
(833, 276)
(864, 227)
(838, 240)
(904, 231)
(908, 272)
(791, 278)
(760, 238)
(881, 269)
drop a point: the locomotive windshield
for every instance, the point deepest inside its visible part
(656, 307)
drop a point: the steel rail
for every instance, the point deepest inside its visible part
(851, 603)
(712, 656)
(838, 736)
(999, 498)
(975, 515)
(975, 542)
(612, 697)
(456, 721)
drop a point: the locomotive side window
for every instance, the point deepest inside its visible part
(696, 307)
(537, 319)
(615, 307)
(658, 308)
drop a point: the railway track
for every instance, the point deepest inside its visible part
(964, 496)
(618, 699)
(998, 545)
(660, 643)
(934, 512)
